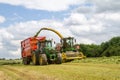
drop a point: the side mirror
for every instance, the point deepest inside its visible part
(52, 39)
(60, 41)
(54, 42)
(75, 40)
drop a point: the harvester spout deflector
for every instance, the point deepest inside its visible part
(49, 30)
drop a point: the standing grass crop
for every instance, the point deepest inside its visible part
(104, 68)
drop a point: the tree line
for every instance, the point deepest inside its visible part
(108, 48)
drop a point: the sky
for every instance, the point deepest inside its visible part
(88, 21)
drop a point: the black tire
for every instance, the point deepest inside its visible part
(26, 61)
(59, 58)
(49, 61)
(35, 58)
(43, 59)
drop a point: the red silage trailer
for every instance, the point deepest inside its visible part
(28, 46)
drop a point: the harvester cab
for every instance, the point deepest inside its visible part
(68, 44)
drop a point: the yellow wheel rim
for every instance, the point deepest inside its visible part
(63, 56)
(41, 60)
(33, 59)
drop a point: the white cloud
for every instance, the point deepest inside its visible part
(2, 19)
(99, 6)
(114, 16)
(5, 34)
(15, 53)
(86, 9)
(86, 29)
(1, 46)
(94, 28)
(106, 5)
(99, 24)
(50, 5)
(12, 35)
(75, 18)
(80, 25)
(85, 40)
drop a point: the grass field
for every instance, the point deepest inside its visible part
(88, 69)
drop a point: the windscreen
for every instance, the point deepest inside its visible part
(48, 44)
(69, 42)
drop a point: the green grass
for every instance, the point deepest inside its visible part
(103, 68)
(10, 62)
(100, 60)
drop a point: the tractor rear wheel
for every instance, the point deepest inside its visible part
(43, 59)
(35, 58)
(59, 58)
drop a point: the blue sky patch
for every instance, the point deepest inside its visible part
(15, 14)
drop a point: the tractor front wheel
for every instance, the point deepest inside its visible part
(43, 59)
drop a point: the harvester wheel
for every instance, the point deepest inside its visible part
(35, 59)
(82, 55)
(59, 58)
(43, 59)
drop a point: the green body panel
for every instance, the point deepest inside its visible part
(47, 49)
(68, 49)
(51, 53)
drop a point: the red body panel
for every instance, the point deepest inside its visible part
(29, 44)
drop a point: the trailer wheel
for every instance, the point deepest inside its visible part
(26, 61)
(59, 58)
(43, 59)
(35, 58)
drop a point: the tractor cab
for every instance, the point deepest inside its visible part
(45, 43)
